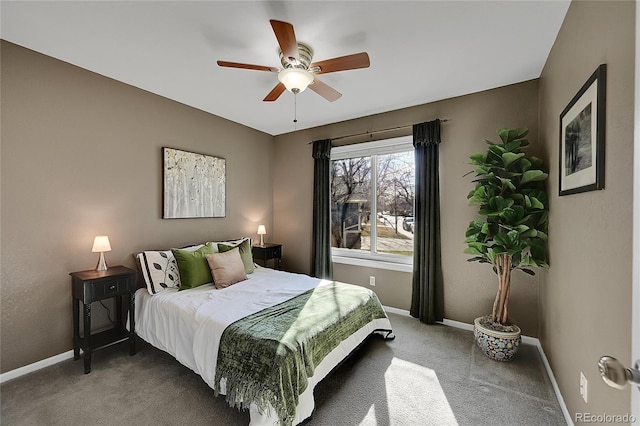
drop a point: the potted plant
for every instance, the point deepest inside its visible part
(510, 232)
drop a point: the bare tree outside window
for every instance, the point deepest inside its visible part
(350, 201)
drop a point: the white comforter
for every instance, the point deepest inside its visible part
(188, 324)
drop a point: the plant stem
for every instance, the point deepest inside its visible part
(505, 309)
(503, 267)
(494, 313)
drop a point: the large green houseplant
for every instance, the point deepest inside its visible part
(511, 230)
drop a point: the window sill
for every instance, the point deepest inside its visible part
(368, 263)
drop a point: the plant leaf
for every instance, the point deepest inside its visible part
(509, 158)
(478, 259)
(535, 162)
(535, 203)
(533, 176)
(472, 250)
(507, 182)
(503, 132)
(477, 158)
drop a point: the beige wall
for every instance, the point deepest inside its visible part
(81, 156)
(585, 296)
(392, 287)
(469, 287)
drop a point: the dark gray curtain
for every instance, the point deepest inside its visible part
(427, 299)
(321, 238)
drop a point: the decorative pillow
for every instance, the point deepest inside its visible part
(227, 268)
(160, 270)
(232, 243)
(245, 253)
(193, 266)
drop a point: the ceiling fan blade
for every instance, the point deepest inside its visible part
(275, 93)
(286, 39)
(343, 63)
(247, 66)
(324, 90)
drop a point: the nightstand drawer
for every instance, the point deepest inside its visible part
(103, 289)
(90, 286)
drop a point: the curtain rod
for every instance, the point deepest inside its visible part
(375, 132)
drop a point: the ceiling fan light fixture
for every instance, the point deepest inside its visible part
(295, 79)
(298, 71)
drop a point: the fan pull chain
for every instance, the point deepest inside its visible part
(295, 111)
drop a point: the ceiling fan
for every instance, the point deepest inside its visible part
(298, 71)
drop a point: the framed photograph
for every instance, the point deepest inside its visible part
(582, 133)
(194, 185)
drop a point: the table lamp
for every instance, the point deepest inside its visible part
(101, 244)
(261, 231)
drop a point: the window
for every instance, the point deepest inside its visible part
(372, 194)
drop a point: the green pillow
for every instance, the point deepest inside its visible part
(245, 254)
(193, 267)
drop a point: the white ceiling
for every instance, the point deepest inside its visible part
(420, 51)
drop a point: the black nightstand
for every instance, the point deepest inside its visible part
(92, 286)
(267, 252)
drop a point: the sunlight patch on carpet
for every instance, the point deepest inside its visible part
(418, 398)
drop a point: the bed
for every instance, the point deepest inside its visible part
(264, 342)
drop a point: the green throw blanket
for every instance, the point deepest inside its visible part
(267, 357)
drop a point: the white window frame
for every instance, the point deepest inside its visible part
(371, 258)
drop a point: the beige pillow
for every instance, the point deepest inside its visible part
(227, 268)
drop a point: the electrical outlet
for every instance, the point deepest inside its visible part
(584, 386)
(372, 281)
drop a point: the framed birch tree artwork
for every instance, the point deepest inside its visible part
(194, 185)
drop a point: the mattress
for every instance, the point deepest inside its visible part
(188, 325)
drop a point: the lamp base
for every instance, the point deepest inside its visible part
(102, 264)
(261, 240)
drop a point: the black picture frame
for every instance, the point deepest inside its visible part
(582, 137)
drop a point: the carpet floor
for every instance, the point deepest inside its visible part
(429, 375)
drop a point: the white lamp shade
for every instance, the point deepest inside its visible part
(261, 230)
(295, 79)
(100, 244)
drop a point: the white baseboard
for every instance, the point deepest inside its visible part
(457, 324)
(545, 361)
(9, 375)
(396, 311)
